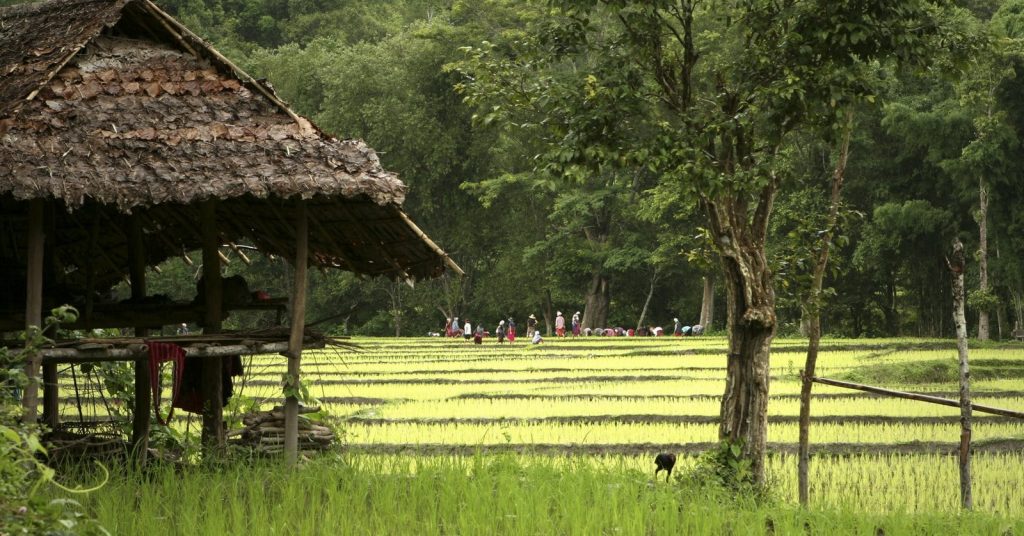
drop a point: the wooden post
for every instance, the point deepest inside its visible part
(142, 410)
(956, 268)
(213, 369)
(33, 304)
(51, 396)
(51, 387)
(298, 324)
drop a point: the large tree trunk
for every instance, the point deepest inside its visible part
(751, 322)
(707, 304)
(595, 312)
(739, 235)
(983, 257)
(740, 232)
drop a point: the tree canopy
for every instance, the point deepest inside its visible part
(586, 157)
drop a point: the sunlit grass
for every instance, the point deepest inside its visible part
(617, 392)
(529, 495)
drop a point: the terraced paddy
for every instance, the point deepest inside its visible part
(617, 402)
(631, 398)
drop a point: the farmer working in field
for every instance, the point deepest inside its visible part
(500, 332)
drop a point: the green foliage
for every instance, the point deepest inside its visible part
(119, 380)
(724, 467)
(23, 508)
(982, 300)
(566, 153)
(298, 388)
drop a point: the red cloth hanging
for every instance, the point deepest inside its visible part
(159, 353)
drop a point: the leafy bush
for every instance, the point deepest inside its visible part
(22, 509)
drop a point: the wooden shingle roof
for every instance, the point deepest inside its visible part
(113, 107)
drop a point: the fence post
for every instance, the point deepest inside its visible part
(956, 268)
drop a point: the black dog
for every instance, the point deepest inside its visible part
(664, 461)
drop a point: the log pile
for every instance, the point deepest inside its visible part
(264, 432)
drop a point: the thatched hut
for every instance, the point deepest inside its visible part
(125, 140)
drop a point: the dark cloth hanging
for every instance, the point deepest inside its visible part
(159, 353)
(190, 397)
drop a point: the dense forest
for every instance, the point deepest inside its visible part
(531, 150)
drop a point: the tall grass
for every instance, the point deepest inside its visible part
(476, 495)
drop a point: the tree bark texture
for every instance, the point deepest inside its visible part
(956, 267)
(812, 313)
(751, 322)
(983, 313)
(707, 304)
(595, 312)
(739, 235)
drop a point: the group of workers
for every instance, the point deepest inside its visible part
(506, 329)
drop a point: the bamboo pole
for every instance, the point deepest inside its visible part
(142, 409)
(980, 408)
(298, 321)
(956, 269)
(33, 305)
(213, 369)
(430, 243)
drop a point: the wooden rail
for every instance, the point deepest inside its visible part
(139, 351)
(980, 408)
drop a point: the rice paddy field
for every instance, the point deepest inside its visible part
(443, 436)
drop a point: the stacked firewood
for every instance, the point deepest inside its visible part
(264, 432)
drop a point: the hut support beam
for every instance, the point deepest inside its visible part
(142, 410)
(298, 326)
(33, 304)
(213, 369)
(51, 387)
(51, 396)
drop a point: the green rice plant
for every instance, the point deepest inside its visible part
(631, 395)
(477, 495)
